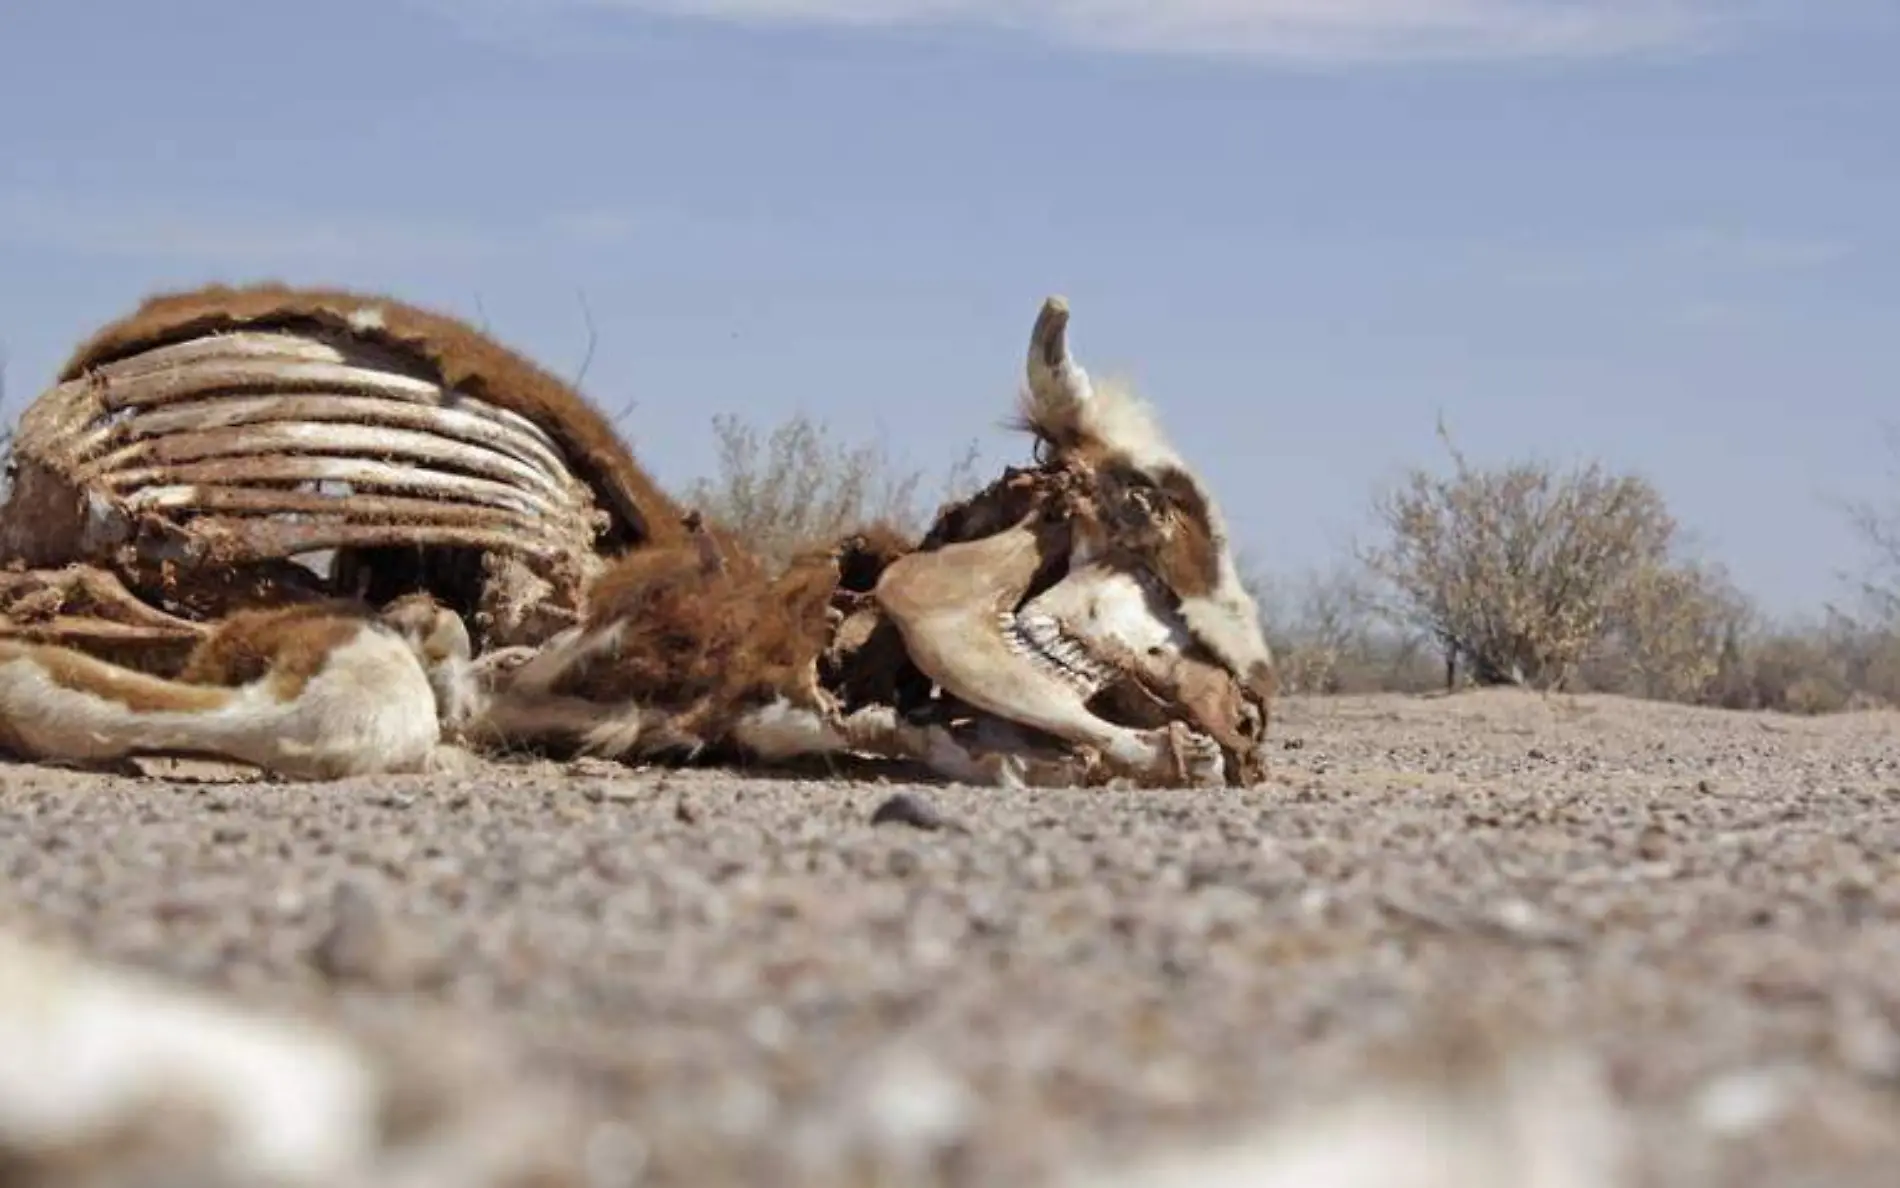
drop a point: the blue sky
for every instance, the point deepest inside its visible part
(1659, 233)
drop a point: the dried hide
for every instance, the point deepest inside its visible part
(704, 632)
(679, 642)
(864, 663)
(195, 457)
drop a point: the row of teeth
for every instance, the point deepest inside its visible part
(1042, 641)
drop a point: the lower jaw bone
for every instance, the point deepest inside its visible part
(1144, 666)
(948, 605)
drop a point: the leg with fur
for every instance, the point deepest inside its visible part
(522, 700)
(303, 694)
(541, 721)
(441, 642)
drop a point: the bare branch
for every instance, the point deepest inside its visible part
(1877, 523)
(593, 338)
(797, 487)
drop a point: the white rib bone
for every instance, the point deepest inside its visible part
(455, 423)
(359, 473)
(358, 508)
(366, 440)
(268, 363)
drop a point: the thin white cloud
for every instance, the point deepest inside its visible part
(1289, 30)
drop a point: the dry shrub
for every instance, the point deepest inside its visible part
(1328, 638)
(1522, 572)
(1673, 633)
(1840, 663)
(1792, 672)
(796, 487)
(1850, 659)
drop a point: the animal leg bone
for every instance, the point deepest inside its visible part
(305, 697)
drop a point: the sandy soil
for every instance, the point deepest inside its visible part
(750, 982)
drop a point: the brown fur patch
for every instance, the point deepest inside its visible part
(1160, 525)
(1001, 505)
(464, 359)
(289, 646)
(134, 690)
(868, 664)
(865, 661)
(1190, 561)
(1263, 682)
(706, 633)
(864, 555)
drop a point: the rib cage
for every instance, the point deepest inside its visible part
(230, 434)
(245, 451)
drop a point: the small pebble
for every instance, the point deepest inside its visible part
(907, 809)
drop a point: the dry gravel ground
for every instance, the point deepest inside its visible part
(1485, 939)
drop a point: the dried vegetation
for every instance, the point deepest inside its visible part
(1578, 579)
(798, 487)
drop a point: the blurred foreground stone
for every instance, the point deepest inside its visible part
(110, 1077)
(1530, 1121)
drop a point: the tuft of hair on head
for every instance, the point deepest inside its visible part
(1071, 413)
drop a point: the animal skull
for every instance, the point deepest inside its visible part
(1091, 600)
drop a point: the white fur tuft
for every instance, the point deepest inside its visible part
(1126, 425)
(780, 730)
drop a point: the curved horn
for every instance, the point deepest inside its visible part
(1056, 381)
